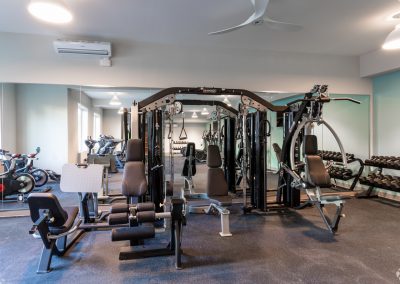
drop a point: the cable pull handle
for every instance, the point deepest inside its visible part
(183, 134)
(170, 131)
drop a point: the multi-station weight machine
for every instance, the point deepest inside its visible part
(249, 125)
(250, 119)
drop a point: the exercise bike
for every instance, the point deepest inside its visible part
(24, 164)
(12, 183)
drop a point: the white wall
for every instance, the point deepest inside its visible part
(8, 118)
(151, 65)
(42, 121)
(112, 123)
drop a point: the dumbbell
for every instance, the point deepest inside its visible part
(347, 174)
(371, 177)
(370, 161)
(379, 161)
(394, 163)
(378, 181)
(386, 182)
(332, 154)
(363, 180)
(395, 185)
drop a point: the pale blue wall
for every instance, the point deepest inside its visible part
(386, 90)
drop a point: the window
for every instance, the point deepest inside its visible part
(82, 127)
(96, 125)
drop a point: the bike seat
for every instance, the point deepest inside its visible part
(33, 155)
(16, 156)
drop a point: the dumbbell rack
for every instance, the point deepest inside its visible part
(341, 173)
(179, 148)
(377, 179)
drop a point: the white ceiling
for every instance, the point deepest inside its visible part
(341, 27)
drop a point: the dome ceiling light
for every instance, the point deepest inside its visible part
(50, 11)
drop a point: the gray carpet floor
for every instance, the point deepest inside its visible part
(291, 247)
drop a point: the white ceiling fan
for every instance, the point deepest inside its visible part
(258, 17)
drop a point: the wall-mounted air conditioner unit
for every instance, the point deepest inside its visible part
(92, 48)
(83, 47)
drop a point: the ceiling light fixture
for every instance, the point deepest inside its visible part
(121, 110)
(226, 99)
(205, 112)
(115, 101)
(194, 115)
(393, 39)
(51, 11)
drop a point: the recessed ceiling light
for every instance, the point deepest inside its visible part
(51, 11)
(194, 115)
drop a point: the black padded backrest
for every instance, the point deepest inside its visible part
(310, 145)
(316, 173)
(134, 150)
(47, 201)
(216, 183)
(134, 183)
(190, 147)
(213, 157)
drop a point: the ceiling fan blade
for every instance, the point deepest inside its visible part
(260, 7)
(277, 25)
(250, 20)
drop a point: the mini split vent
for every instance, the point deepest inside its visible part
(94, 48)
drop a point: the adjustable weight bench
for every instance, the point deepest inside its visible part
(54, 224)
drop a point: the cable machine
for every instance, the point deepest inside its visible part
(157, 106)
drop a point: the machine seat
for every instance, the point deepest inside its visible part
(72, 212)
